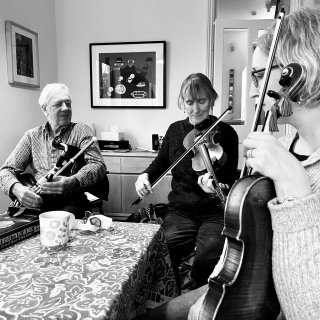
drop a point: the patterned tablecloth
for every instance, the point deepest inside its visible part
(112, 274)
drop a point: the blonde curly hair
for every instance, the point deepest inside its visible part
(299, 42)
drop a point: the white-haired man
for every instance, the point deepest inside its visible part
(35, 150)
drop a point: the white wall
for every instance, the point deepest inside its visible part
(66, 27)
(19, 108)
(182, 23)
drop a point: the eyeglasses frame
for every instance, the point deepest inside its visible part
(254, 78)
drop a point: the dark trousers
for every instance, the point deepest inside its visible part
(184, 232)
(74, 202)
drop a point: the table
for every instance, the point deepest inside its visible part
(111, 274)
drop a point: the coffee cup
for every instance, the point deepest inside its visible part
(55, 227)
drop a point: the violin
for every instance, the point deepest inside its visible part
(241, 285)
(207, 153)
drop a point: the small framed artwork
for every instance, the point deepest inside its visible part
(128, 74)
(22, 56)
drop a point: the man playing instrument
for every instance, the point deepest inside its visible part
(35, 150)
(194, 219)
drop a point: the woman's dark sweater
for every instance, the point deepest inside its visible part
(186, 194)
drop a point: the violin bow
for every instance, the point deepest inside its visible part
(265, 79)
(185, 153)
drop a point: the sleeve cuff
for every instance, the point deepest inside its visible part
(10, 186)
(295, 215)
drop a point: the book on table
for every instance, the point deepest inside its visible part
(16, 228)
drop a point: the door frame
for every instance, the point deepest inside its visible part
(252, 26)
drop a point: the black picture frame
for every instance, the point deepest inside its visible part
(128, 74)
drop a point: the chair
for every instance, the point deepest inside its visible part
(97, 193)
(185, 269)
(96, 203)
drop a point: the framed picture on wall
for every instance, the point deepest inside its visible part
(128, 74)
(22, 56)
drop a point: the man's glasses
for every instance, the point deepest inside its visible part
(59, 104)
(258, 74)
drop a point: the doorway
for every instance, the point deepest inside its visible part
(232, 58)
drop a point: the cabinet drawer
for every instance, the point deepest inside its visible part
(114, 202)
(134, 164)
(113, 164)
(160, 193)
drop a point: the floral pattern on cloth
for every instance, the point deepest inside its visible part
(111, 274)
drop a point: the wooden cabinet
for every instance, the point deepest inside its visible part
(124, 169)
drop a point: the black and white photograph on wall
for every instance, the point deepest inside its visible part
(128, 75)
(22, 55)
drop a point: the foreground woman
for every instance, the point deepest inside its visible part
(293, 163)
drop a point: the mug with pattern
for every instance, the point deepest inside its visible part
(54, 227)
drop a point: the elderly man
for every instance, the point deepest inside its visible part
(36, 151)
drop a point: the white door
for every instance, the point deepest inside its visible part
(233, 48)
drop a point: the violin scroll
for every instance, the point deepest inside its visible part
(293, 78)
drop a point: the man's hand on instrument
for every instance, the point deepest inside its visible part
(143, 186)
(26, 196)
(59, 185)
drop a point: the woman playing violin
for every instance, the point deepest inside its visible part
(194, 219)
(293, 163)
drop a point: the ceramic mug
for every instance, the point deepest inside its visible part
(54, 227)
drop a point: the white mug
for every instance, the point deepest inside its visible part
(54, 227)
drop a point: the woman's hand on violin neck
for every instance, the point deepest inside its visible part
(266, 155)
(206, 183)
(143, 186)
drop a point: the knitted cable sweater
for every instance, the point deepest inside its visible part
(296, 247)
